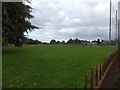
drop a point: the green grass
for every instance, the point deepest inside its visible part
(49, 66)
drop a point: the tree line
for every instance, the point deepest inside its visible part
(74, 41)
(70, 42)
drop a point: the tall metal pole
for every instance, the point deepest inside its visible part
(119, 25)
(116, 26)
(110, 24)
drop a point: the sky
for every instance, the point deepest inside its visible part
(65, 19)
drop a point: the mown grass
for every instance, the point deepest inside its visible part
(50, 66)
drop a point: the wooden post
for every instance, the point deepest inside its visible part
(96, 76)
(86, 82)
(75, 86)
(92, 80)
(103, 68)
(100, 72)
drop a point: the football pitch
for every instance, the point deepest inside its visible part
(50, 66)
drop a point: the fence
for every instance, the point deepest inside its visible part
(105, 74)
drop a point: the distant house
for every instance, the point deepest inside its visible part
(84, 42)
(88, 43)
(103, 42)
(93, 43)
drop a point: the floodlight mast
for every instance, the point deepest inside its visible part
(116, 27)
(119, 25)
(110, 25)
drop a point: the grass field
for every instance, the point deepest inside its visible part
(48, 66)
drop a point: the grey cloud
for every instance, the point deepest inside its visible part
(62, 20)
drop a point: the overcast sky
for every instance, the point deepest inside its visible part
(65, 19)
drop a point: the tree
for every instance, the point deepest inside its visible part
(98, 41)
(58, 42)
(63, 42)
(15, 21)
(52, 41)
(70, 41)
(37, 42)
(94, 41)
(76, 41)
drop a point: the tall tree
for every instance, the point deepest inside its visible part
(53, 41)
(63, 42)
(70, 41)
(98, 41)
(76, 41)
(15, 21)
